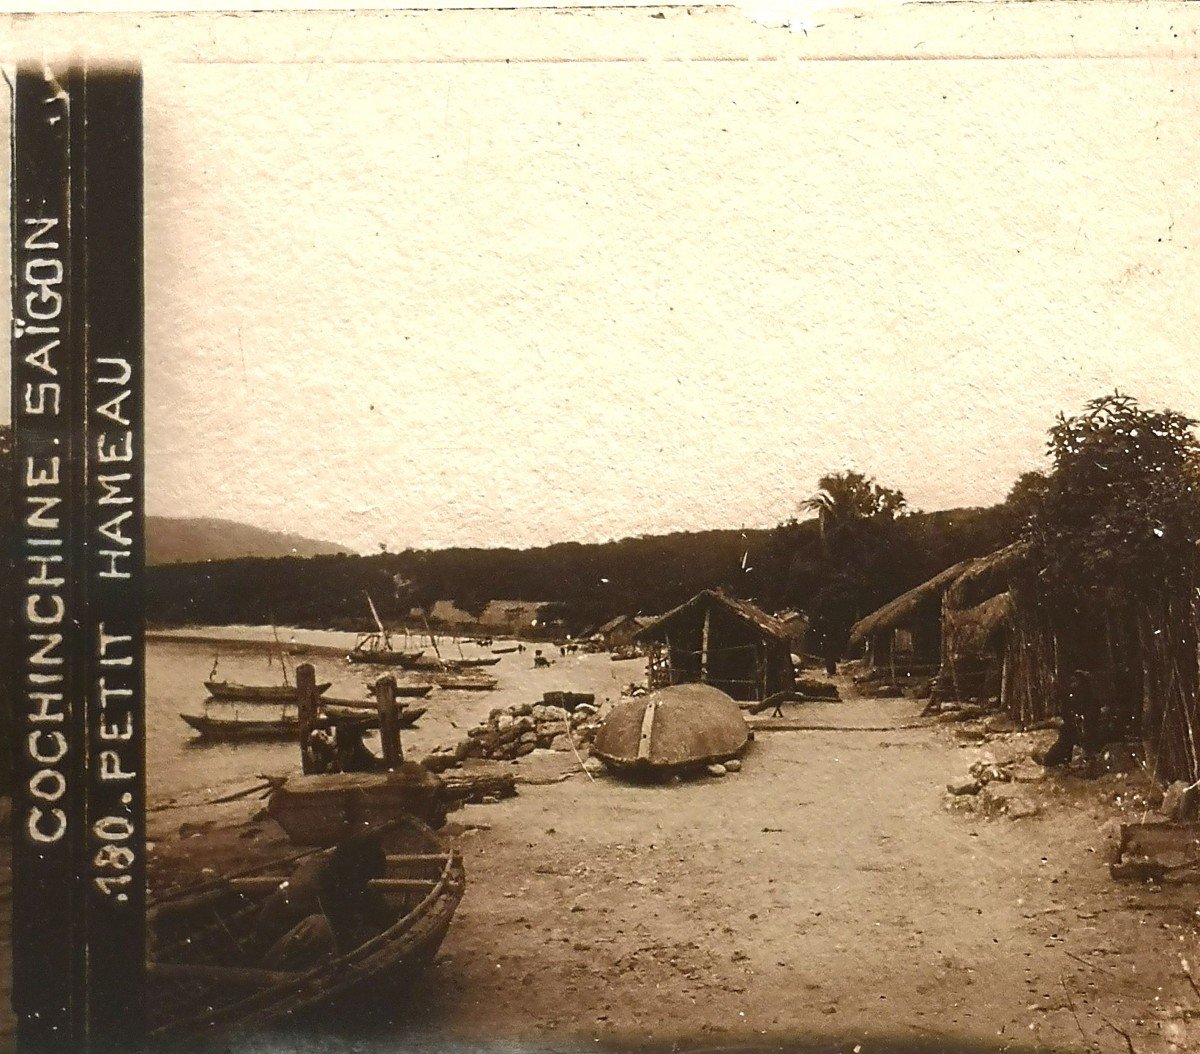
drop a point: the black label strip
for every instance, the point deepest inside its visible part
(78, 670)
(47, 373)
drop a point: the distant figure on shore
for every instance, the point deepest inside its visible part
(540, 661)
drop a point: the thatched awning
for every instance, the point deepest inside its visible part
(896, 613)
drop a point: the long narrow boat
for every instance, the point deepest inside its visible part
(459, 682)
(429, 663)
(506, 651)
(257, 693)
(212, 975)
(366, 656)
(285, 728)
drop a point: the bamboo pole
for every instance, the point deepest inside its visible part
(704, 646)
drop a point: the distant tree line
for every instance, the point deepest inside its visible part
(847, 570)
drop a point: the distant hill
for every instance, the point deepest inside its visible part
(178, 541)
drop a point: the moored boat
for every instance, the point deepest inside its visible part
(464, 682)
(257, 693)
(431, 664)
(375, 649)
(459, 682)
(365, 918)
(287, 727)
(365, 655)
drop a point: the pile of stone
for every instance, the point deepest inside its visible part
(512, 732)
(998, 788)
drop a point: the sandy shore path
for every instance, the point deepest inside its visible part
(824, 891)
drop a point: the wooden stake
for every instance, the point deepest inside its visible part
(704, 646)
(306, 705)
(389, 721)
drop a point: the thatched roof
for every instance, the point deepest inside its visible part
(753, 616)
(987, 576)
(975, 628)
(896, 613)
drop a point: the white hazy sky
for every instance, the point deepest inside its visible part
(418, 280)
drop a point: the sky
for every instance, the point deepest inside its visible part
(446, 279)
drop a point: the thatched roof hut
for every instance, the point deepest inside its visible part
(719, 640)
(620, 631)
(906, 631)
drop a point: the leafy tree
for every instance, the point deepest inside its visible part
(1118, 517)
(1026, 498)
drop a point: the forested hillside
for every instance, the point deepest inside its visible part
(786, 566)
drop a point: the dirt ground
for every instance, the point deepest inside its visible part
(825, 890)
(830, 892)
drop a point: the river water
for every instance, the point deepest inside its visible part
(181, 767)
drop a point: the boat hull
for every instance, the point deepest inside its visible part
(432, 664)
(374, 975)
(404, 659)
(282, 729)
(257, 693)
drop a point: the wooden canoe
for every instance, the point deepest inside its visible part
(287, 727)
(208, 976)
(467, 681)
(384, 657)
(432, 664)
(257, 693)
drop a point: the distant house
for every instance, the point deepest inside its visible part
(509, 617)
(796, 623)
(719, 640)
(619, 632)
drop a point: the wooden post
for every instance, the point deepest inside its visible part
(389, 721)
(704, 646)
(306, 706)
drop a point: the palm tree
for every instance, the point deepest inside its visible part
(845, 498)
